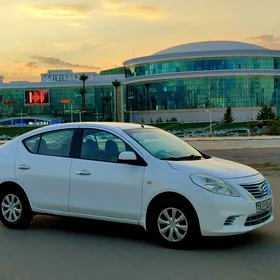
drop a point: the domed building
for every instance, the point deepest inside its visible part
(187, 81)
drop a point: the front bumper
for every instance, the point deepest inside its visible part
(223, 216)
(241, 225)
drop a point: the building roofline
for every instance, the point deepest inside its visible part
(102, 80)
(201, 55)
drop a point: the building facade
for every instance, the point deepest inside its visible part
(24, 99)
(186, 81)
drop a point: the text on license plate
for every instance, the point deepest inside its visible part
(264, 205)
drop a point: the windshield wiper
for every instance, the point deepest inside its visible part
(191, 157)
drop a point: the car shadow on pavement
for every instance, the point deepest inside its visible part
(138, 234)
(231, 242)
(89, 227)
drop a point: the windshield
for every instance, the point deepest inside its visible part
(163, 145)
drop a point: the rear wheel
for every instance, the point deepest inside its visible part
(173, 224)
(15, 209)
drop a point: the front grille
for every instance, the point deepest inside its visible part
(258, 218)
(258, 190)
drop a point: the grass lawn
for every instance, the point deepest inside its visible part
(180, 126)
(235, 125)
(14, 131)
(220, 126)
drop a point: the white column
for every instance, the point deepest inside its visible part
(122, 100)
(115, 104)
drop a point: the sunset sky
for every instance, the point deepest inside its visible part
(91, 35)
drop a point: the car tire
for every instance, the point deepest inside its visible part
(173, 224)
(15, 210)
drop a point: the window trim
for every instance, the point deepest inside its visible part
(72, 144)
(30, 137)
(139, 162)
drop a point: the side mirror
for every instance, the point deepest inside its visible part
(127, 157)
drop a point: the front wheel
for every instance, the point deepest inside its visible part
(173, 224)
(15, 209)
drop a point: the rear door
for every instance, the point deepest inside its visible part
(42, 167)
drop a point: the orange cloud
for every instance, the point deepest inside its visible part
(145, 12)
(53, 61)
(126, 9)
(267, 40)
(111, 4)
(59, 11)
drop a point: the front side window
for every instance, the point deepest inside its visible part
(163, 145)
(56, 143)
(102, 146)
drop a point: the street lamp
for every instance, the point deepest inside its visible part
(80, 113)
(210, 116)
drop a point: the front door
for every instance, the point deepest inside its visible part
(101, 186)
(43, 167)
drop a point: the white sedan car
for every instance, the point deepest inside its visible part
(130, 173)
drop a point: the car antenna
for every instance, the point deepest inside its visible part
(142, 125)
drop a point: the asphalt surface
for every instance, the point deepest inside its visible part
(59, 248)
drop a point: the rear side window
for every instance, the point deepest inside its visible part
(32, 144)
(56, 143)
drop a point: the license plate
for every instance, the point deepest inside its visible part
(264, 205)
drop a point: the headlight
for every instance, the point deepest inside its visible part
(214, 184)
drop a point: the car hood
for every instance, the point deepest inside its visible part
(218, 167)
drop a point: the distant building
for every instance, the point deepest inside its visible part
(15, 97)
(187, 80)
(65, 75)
(113, 71)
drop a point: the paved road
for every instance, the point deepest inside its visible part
(62, 249)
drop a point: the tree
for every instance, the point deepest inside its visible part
(173, 120)
(107, 99)
(83, 92)
(116, 84)
(228, 116)
(274, 127)
(266, 113)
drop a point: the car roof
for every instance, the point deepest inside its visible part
(115, 125)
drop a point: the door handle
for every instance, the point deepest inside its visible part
(83, 172)
(23, 166)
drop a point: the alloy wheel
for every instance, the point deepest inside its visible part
(11, 208)
(172, 224)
